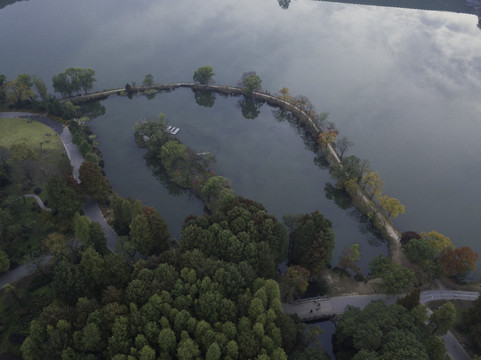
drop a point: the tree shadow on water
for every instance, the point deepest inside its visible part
(204, 98)
(161, 175)
(250, 108)
(340, 197)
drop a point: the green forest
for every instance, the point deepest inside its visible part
(217, 293)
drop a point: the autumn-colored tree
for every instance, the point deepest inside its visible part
(294, 282)
(438, 241)
(350, 254)
(371, 183)
(327, 137)
(458, 262)
(94, 182)
(284, 94)
(391, 206)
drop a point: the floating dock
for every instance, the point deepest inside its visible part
(172, 130)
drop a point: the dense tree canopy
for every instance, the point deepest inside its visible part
(149, 232)
(19, 91)
(165, 312)
(94, 182)
(385, 332)
(396, 278)
(312, 242)
(471, 324)
(241, 231)
(73, 80)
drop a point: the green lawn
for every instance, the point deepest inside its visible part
(39, 137)
(33, 133)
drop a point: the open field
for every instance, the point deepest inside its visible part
(38, 137)
(33, 133)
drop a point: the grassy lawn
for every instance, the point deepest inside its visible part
(33, 133)
(43, 140)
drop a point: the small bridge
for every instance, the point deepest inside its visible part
(321, 308)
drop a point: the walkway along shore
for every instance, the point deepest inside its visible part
(330, 154)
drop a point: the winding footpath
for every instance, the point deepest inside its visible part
(90, 208)
(38, 200)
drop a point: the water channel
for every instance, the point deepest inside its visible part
(403, 84)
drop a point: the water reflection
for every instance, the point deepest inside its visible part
(92, 109)
(340, 196)
(161, 175)
(284, 3)
(204, 98)
(250, 108)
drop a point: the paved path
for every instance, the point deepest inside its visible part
(336, 305)
(90, 208)
(21, 271)
(92, 211)
(38, 200)
(72, 150)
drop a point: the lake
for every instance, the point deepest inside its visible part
(404, 85)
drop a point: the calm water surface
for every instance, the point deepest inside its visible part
(266, 160)
(404, 85)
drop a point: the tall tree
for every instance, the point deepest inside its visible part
(149, 232)
(94, 182)
(41, 88)
(442, 319)
(148, 80)
(391, 206)
(458, 262)
(294, 282)
(371, 183)
(396, 278)
(62, 199)
(250, 82)
(438, 241)
(312, 242)
(20, 90)
(343, 144)
(351, 254)
(204, 75)
(73, 80)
